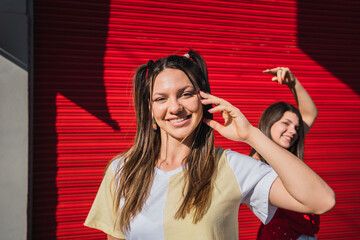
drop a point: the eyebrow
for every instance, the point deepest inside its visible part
(180, 90)
(291, 121)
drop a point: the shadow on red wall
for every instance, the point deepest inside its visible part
(331, 36)
(69, 52)
(329, 32)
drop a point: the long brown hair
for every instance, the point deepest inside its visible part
(135, 177)
(274, 113)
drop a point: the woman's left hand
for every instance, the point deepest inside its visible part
(236, 127)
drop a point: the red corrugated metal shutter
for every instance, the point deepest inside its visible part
(86, 52)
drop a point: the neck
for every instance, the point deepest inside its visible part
(172, 153)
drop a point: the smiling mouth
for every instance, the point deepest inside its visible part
(288, 138)
(178, 120)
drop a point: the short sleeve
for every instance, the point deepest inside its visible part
(258, 198)
(102, 215)
(255, 179)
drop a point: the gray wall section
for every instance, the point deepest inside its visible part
(14, 119)
(13, 150)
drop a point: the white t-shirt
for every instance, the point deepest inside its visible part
(239, 179)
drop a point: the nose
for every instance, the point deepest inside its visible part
(175, 106)
(292, 130)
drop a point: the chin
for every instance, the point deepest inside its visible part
(286, 146)
(180, 136)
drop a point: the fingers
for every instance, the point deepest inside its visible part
(221, 108)
(280, 79)
(213, 124)
(211, 99)
(285, 75)
(220, 105)
(235, 126)
(272, 71)
(281, 73)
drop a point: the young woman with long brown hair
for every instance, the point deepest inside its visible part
(287, 126)
(173, 184)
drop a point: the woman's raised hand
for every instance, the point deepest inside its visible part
(282, 75)
(236, 127)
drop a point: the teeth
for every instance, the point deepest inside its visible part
(177, 120)
(288, 138)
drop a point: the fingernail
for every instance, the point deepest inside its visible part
(202, 99)
(210, 110)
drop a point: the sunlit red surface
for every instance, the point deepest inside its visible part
(86, 53)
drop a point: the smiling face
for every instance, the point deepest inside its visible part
(285, 131)
(176, 105)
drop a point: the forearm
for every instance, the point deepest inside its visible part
(302, 183)
(305, 103)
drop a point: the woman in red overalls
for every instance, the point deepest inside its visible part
(287, 126)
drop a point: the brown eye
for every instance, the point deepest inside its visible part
(188, 94)
(286, 123)
(159, 99)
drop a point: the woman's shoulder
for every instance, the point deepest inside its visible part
(219, 152)
(222, 153)
(238, 161)
(115, 164)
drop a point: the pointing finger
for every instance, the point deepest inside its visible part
(272, 70)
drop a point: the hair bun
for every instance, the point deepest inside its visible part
(150, 64)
